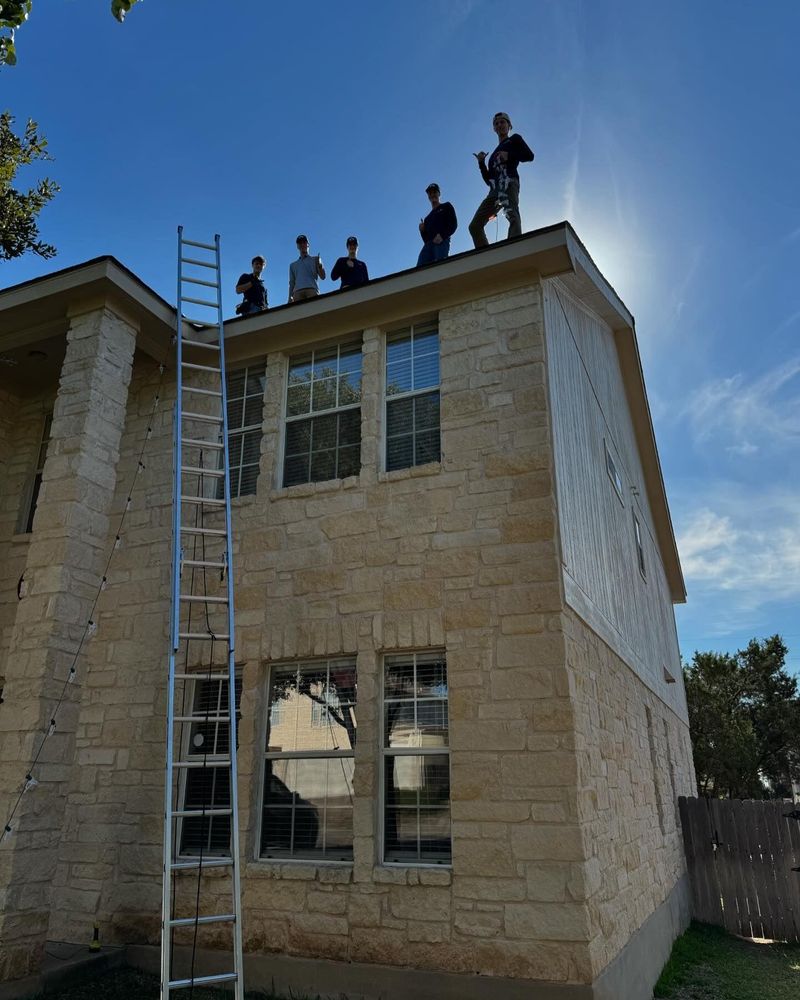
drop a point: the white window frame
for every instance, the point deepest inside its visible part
(385, 752)
(235, 472)
(613, 473)
(187, 754)
(410, 330)
(267, 755)
(348, 344)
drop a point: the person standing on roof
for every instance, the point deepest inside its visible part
(501, 175)
(304, 272)
(352, 271)
(436, 228)
(251, 286)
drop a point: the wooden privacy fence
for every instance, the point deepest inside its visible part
(744, 865)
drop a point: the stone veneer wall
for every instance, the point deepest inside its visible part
(460, 556)
(634, 760)
(64, 563)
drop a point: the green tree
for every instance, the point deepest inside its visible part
(19, 231)
(744, 717)
(14, 13)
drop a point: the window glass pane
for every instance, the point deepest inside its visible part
(325, 362)
(417, 814)
(324, 432)
(426, 371)
(256, 381)
(350, 427)
(324, 394)
(298, 399)
(426, 411)
(323, 466)
(398, 377)
(235, 413)
(248, 479)
(298, 436)
(427, 448)
(235, 383)
(399, 678)
(350, 361)
(399, 417)
(399, 730)
(426, 340)
(300, 369)
(349, 388)
(234, 450)
(296, 469)
(399, 453)
(318, 691)
(398, 347)
(251, 447)
(252, 411)
(349, 463)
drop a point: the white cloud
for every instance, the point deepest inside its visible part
(742, 550)
(749, 413)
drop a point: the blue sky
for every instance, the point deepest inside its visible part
(666, 133)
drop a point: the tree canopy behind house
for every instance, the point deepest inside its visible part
(744, 717)
(14, 13)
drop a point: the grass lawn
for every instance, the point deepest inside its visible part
(708, 964)
(130, 984)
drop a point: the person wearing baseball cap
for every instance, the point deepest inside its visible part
(353, 272)
(501, 175)
(436, 228)
(304, 272)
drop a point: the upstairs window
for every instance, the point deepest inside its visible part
(637, 534)
(323, 415)
(41, 455)
(613, 473)
(412, 397)
(245, 392)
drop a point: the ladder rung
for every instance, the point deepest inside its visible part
(203, 562)
(209, 500)
(218, 918)
(196, 443)
(219, 977)
(201, 368)
(200, 763)
(222, 636)
(200, 302)
(190, 529)
(202, 677)
(177, 866)
(202, 599)
(199, 343)
(193, 469)
(199, 813)
(194, 243)
(201, 392)
(201, 263)
(199, 281)
(201, 416)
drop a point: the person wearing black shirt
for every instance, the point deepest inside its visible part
(501, 175)
(352, 271)
(252, 288)
(436, 228)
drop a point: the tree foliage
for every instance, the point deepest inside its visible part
(19, 231)
(14, 13)
(744, 716)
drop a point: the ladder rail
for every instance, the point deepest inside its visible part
(183, 634)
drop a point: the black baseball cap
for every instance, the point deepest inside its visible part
(350, 240)
(433, 186)
(301, 239)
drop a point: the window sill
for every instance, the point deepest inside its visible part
(313, 489)
(419, 874)
(300, 870)
(429, 469)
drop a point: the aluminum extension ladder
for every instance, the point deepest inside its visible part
(201, 751)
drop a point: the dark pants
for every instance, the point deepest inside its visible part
(431, 252)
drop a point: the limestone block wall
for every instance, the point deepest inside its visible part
(21, 423)
(459, 555)
(63, 568)
(634, 760)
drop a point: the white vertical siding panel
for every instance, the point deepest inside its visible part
(589, 405)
